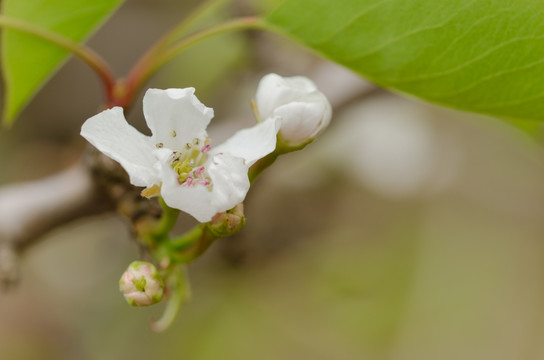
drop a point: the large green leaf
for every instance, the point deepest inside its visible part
(29, 61)
(485, 56)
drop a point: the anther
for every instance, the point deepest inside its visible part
(188, 146)
(159, 145)
(173, 133)
(176, 156)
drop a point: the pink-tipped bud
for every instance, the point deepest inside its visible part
(141, 284)
(229, 222)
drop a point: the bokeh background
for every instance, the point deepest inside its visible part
(406, 231)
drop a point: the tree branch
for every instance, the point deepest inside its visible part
(31, 209)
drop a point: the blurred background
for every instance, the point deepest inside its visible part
(406, 231)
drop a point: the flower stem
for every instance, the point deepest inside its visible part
(191, 245)
(186, 240)
(158, 56)
(281, 149)
(167, 222)
(95, 62)
(262, 164)
(180, 292)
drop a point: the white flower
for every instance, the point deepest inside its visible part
(177, 159)
(141, 284)
(303, 110)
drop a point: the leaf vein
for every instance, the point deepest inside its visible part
(515, 102)
(464, 34)
(491, 77)
(459, 67)
(352, 21)
(409, 34)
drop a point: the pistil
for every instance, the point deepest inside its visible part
(189, 163)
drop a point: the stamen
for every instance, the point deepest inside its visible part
(176, 156)
(159, 145)
(173, 133)
(199, 171)
(188, 163)
(152, 191)
(189, 180)
(194, 153)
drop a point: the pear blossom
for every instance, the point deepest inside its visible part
(177, 161)
(141, 284)
(303, 110)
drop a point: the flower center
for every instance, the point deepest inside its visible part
(189, 163)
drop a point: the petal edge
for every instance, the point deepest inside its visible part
(110, 133)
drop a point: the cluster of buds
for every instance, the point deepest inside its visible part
(178, 163)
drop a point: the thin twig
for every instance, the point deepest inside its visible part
(87, 55)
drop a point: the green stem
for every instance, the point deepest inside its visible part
(281, 149)
(198, 241)
(189, 238)
(167, 222)
(261, 165)
(204, 242)
(146, 61)
(144, 69)
(180, 292)
(244, 23)
(88, 56)
(187, 23)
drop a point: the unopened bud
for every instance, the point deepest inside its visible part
(303, 110)
(141, 284)
(228, 222)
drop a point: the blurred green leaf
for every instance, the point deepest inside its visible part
(484, 56)
(28, 61)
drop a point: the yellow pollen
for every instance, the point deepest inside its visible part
(187, 163)
(150, 192)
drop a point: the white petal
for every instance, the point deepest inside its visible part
(303, 121)
(252, 143)
(110, 133)
(275, 90)
(230, 186)
(175, 116)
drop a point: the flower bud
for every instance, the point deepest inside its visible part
(228, 222)
(304, 111)
(141, 284)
